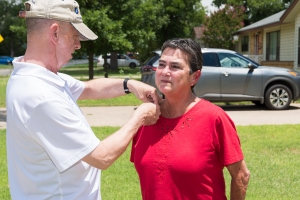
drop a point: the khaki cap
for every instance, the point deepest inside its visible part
(60, 10)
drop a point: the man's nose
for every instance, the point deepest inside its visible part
(77, 43)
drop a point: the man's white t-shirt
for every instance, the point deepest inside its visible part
(47, 136)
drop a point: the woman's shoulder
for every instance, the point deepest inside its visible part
(207, 105)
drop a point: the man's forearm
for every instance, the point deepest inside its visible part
(112, 147)
(103, 88)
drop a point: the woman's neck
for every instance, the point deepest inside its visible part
(176, 106)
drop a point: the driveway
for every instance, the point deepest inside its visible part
(259, 115)
(5, 72)
(241, 115)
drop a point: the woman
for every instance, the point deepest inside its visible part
(182, 156)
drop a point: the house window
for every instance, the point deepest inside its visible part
(273, 46)
(299, 47)
(245, 43)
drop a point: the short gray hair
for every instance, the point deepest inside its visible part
(37, 24)
(188, 46)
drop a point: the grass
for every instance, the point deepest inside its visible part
(5, 66)
(82, 71)
(127, 100)
(271, 153)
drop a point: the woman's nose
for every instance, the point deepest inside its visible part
(166, 70)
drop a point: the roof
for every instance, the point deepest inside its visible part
(283, 16)
(264, 22)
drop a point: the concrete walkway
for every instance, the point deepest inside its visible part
(241, 115)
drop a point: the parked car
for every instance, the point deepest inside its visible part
(6, 60)
(228, 76)
(80, 60)
(123, 60)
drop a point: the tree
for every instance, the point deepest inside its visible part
(140, 25)
(12, 28)
(121, 26)
(183, 16)
(256, 9)
(221, 25)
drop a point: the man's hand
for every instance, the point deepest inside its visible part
(144, 92)
(148, 113)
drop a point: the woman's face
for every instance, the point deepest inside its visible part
(173, 72)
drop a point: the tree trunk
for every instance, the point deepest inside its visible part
(91, 61)
(105, 66)
(91, 65)
(114, 61)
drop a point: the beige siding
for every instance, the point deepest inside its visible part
(296, 41)
(287, 42)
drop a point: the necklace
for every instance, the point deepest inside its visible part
(189, 101)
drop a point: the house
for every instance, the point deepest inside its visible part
(198, 35)
(275, 40)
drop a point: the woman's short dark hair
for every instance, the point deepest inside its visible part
(188, 46)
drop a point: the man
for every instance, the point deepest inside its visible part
(52, 151)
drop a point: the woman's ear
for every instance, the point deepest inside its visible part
(195, 77)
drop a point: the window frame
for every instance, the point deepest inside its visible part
(245, 43)
(269, 43)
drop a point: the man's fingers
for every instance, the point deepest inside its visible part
(154, 97)
(150, 98)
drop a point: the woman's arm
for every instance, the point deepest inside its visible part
(239, 180)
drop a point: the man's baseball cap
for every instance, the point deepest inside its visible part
(60, 10)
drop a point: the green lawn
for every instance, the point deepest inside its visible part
(5, 66)
(271, 153)
(81, 72)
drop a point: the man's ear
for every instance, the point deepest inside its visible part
(54, 30)
(195, 77)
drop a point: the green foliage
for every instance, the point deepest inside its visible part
(138, 25)
(182, 15)
(256, 9)
(262, 9)
(12, 28)
(121, 26)
(221, 25)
